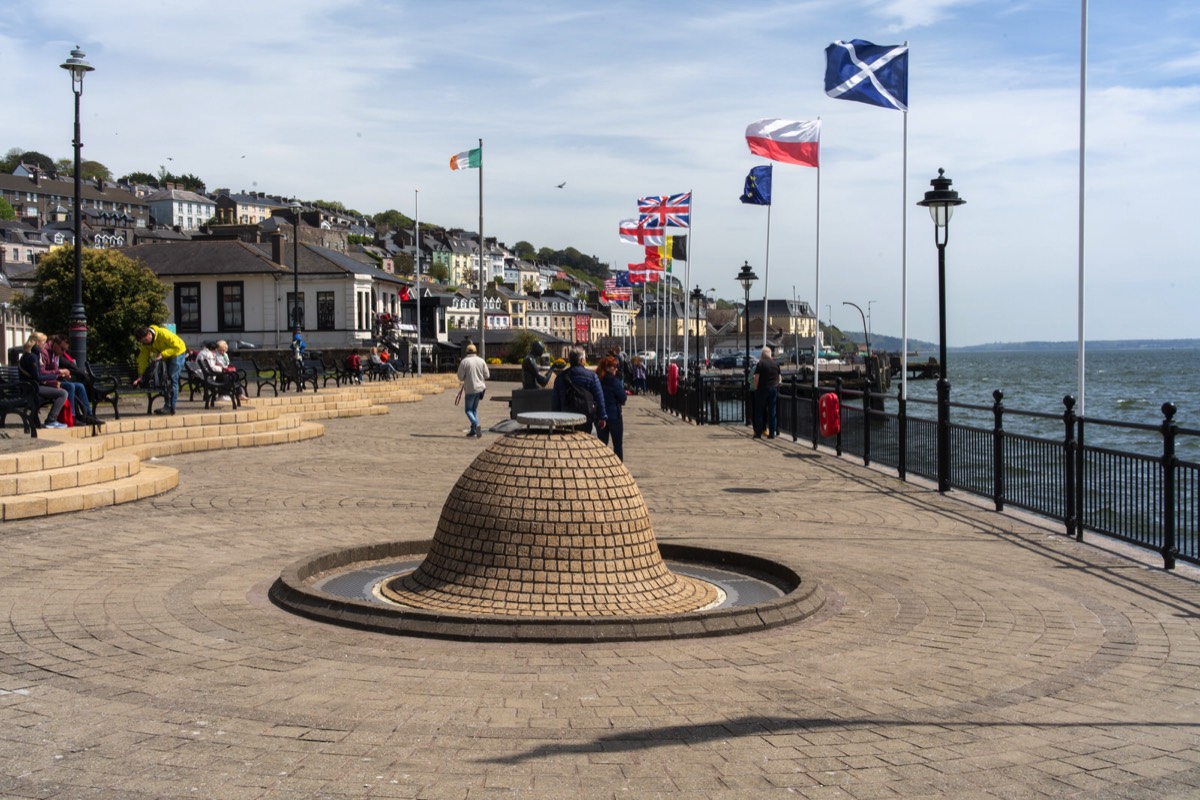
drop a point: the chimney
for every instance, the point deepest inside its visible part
(277, 248)
(36, 177)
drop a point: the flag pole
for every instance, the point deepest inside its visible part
(767, 276)
(687, 278)
(1082, 137)
(817, 297)
(482, 312)
(904, 267)
(417, 269)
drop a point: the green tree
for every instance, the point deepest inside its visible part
(88, 170)
(530, 285)
(38, 159)
(524, 251)
(436, 271)
(119, 294)
(11, 159)
(392, 220)
(140, 177)
(6, 211)
(520, 345)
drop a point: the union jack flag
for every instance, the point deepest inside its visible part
(660, 211)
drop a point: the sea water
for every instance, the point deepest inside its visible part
(1127, 385)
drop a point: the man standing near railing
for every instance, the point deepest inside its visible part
(766, 395)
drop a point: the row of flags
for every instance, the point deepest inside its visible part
(856, 70)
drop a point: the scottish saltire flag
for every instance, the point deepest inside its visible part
(758, 186)
(868, 73)
(668, 210)
(631, 231)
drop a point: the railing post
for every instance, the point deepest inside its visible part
(1071, 512)
(815, 415)
(795, 406)
(901, 433)
(998, 449)
(867, 424)
(1170, 547)
(837, 389)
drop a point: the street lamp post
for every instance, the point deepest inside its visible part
(698, 303)
(866, 333)
(941, 200)
(747, 278)
(77, 323)
(295, 207)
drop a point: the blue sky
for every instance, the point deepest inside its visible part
(364, 103)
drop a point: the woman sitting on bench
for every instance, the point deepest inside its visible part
(47, 382)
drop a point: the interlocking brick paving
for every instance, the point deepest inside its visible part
(960, 652)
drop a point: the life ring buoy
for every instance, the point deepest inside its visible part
(830, 415)
(672, 379)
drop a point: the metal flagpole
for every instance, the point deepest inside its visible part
(904, 264)
(767, 276)
(417, 269)
(482, 314)
(817, 299)
(1082, 137)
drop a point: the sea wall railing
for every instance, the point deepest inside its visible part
(1149, 499)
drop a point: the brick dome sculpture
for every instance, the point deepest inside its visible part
(547, 525)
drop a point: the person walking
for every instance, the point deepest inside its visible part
(766, 396)
(473, 372)
(160, 344)
(615, 396)
(573, 385)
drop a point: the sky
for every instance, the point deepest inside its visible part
(365, 102)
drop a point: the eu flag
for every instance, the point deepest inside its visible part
(868, 73)
(758, 186)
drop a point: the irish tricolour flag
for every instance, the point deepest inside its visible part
(786, 141)
(469, 159)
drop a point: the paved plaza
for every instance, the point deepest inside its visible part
(961, 653)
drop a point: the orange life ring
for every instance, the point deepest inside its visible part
(673, 379)
(831, 414)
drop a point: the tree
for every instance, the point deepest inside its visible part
(88, 170)
(119, 294)
(140, 177)
(11, 159)
(392, 220)
(6, 211)
(44, 162)
(189, 182)
(519, 347)
(437, 271)
(530, 285)
(524, 251)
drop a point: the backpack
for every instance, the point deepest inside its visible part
(579, 401)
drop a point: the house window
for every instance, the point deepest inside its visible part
(231, 306)
(295, 316)
(325, 314)
(187, 307)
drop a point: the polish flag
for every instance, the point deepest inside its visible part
(786, 141)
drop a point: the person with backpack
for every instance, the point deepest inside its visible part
(577, 390)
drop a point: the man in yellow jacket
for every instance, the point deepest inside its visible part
(159, 343)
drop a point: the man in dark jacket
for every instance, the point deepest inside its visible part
(766, 394)
(583, 379)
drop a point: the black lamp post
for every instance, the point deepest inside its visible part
(77, 322)
(941, 200)
(295, 207)
(698, 303)
(747, 278)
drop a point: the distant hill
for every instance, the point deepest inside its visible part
(1103, 344)
(891, 344)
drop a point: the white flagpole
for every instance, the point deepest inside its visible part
(767, 273)
(417, 269)
(482, 314)
(687, 279)
(817, 298)
(904, 265)
(1082, 137)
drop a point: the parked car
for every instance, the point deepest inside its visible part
(734, 362)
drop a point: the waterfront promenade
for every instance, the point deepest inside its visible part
(961, 653)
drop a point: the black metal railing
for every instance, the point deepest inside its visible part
(1150, 499)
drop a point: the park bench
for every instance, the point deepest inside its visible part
(20, 397)
(321, 371)
(296, 373)
(108, 382)
(261, 375)
(213, 385)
